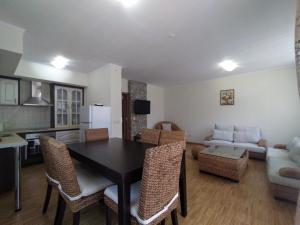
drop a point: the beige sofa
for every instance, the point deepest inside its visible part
(283, 173)
(256, 146)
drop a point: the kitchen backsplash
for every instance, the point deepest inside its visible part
(24, 117)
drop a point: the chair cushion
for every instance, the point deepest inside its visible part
(112, 193)
(274, 165)
(90, 181)
(222, 135)
(167, 126)
(246, 137)
(224, 127)
(290, 172)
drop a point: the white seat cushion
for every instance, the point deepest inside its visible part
(277, 153)
(250, 147)
(222, 135)
(274, 164)
(112, 193)
(217, 142)
(90, 181)
(224, 127)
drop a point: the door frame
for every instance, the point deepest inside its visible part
(126, 112)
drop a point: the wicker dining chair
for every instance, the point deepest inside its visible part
(78, 189)
(98, 134)
(167, 137)
(156, 195)
(150, 136)
(52, 180)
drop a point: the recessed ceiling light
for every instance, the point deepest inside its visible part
(60, 62)
(228, 65)
(128, 3)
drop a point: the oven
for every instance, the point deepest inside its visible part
(32, 154)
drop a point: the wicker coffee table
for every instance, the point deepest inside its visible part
(224, 161)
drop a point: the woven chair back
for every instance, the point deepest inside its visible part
(46, 151)
(150, 136)
(64, 168)
(167, 137)
(160, 180)
(96, 134)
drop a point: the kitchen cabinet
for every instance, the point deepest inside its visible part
(68, 101)
(9, 91)
(68, 137)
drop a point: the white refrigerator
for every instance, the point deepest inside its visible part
(94, 117)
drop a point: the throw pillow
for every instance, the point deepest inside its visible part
(293, 142)
(224, 127)
(290, 172)
(167, 126)
(294, 153)
(222, 135)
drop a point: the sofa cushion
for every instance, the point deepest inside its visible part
(292, 143)
(250, 147)
(246, 137)
(274, 165)
(217, 143)
(290, 172)
(224, 127)
(222, 135)
(277, 153)
(294, 153)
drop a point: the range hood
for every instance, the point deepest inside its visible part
(36, 98)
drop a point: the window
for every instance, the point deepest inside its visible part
(67, 106)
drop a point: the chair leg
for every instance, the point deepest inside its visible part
(47, 198)
(163, 222)
(60, 211)
(76, 218)
(108, 215)
(174, 217)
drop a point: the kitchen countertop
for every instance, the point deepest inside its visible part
(40, 130)
(11, 141)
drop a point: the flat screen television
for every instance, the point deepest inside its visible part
(142, 107)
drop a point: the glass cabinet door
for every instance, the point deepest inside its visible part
(67, 106)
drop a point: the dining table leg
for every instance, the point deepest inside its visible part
(182, 187)
(17, 179)
(124, 202)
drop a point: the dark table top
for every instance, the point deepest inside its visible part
(114, 155)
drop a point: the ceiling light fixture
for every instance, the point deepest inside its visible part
(128, 3)
(60, 62)
(228, 65)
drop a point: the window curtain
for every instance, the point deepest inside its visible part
(297, 44)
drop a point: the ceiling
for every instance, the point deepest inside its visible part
(163, 42)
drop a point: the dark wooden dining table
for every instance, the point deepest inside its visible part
(122, 162)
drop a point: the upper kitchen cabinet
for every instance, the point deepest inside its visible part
(9, 91)
(68, 101)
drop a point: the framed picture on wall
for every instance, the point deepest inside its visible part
(227, 97)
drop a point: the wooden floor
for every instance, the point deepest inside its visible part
(211, 201)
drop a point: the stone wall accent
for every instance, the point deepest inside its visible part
(297, 45)
(137, 91)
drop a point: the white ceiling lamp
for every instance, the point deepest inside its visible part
(228, 65)
(60, 62)
(128, 3)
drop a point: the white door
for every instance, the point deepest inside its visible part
(9, 92)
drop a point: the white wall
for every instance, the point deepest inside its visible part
(266, 99)
(156, 95)
(124, 85)
(32, 70)
(104, 86)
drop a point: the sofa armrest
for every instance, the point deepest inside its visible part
(280, 146)
(263, 143)
(208, 138)
(290, 172)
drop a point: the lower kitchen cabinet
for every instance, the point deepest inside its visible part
(7, 169)
(68, 137)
